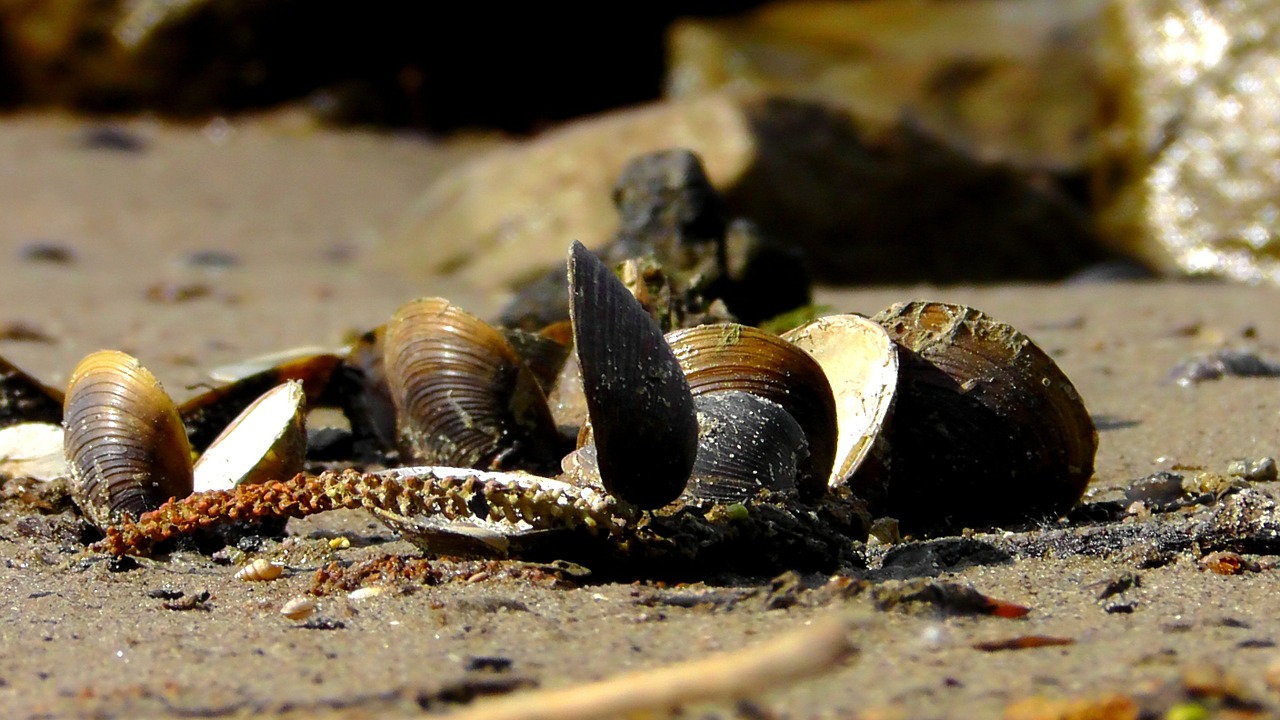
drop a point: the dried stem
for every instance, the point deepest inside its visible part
(784, 660)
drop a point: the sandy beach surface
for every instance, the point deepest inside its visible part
(208, 245)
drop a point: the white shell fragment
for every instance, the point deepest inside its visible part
(260, 570)
(861, 363)
(268, 441)
(299, 608)
(33, 450)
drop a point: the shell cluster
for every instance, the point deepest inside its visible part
(933, 413)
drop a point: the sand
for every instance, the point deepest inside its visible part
(297, 213)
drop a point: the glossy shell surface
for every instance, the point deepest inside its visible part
(986, 429)
(462, 395)
(727, 356)
(125, 443)
(641, 411)
(745, 444)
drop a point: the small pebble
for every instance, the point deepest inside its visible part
(1261, 469)
(339, 543)
(1220, 364)
(299, 608)
(43, 251)
(112, 137)
(212, 259)
(368, 591)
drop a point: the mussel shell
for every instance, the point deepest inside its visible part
(208, 414)
(365, 398)
(745, 443)
(33, 450)
(638, 401)
(462, 395)
(25, 399)
(727, 356)
(987, 429)
(861, 364)
(124, 440)
(268, 441)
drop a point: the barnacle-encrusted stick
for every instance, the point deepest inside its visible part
(446, 492)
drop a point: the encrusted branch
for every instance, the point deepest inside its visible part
(407, 492)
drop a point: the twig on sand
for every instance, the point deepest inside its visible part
(750, 671)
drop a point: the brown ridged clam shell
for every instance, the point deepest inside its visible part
(641, 412)
(124, 440)
(727, 356)
(462, 395)
(987, 429)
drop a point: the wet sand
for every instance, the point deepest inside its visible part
(297, 213)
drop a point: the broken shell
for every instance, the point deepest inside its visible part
(745, 443)
(33, 450)
(641, 412)
(260, 570)
(124, 440)
(268, 441)
(728, 356)
(861, 364)
(463, 397)
(987, 429)
(25, 399)
(207, 415)
(299, 608)
(364, 395)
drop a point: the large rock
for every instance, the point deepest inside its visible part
(1191, 181)
(866, 202)
(1009, 80)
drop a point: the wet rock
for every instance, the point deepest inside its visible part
(864, 202)
(1192, 137)
(1011, 80)
(1222, 363)
(675, 229)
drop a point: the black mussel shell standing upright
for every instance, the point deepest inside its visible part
(640, 408)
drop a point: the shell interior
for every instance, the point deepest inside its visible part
(861, 363)
(268, 441)
(33, 450)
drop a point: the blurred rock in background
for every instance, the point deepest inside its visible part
(891, 140)
(515, 67)
(1189, 177)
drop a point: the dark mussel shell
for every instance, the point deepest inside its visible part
(124, 440)
(641, 412)
(745, 443)
(727, 356)
(25, 399)
(987, 429)
(462, 395)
